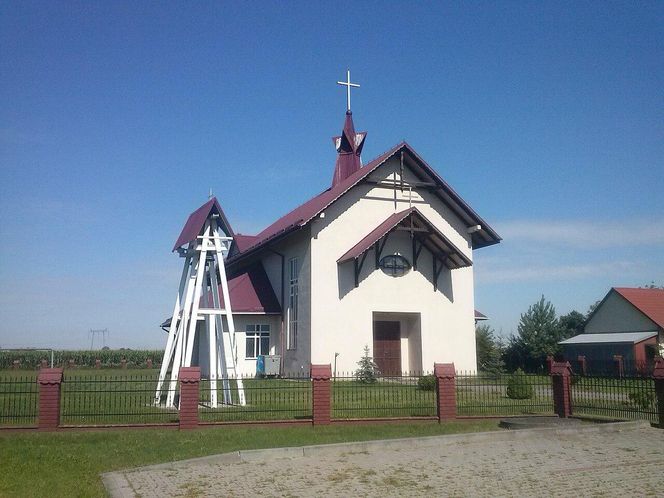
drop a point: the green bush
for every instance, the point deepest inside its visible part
(426, 383)
(642, 399)
(518, 386)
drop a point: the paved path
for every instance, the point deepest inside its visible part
(602, 460)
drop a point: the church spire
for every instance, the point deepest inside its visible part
(349, 144)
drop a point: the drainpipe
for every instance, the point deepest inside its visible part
(283, 307)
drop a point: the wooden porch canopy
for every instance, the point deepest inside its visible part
(424, 234)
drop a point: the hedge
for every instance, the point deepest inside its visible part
(136, 358)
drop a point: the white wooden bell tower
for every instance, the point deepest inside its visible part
(201, 330)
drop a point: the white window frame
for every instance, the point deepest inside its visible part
(293, 304)
(255, 333)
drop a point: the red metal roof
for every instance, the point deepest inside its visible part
(250, 292)
(196, 221)
(650, 302)
(348, 151)
(375, 235)
(434, 240)
(302, 215)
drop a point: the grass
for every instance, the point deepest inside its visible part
(69, 463)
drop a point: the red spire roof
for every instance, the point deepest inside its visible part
(349, 147)
(196, 221)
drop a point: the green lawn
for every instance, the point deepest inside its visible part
(69, 463)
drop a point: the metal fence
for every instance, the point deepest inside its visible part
(284, 398)
(616, 398)
(111, 400)
(503, 394)
(406, 395)
(19, 399)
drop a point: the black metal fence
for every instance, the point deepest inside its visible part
(111, 400)
(407, 395)
(613, 368)
(495, 395)
(19, 399)
(615, 398)
(265, 399)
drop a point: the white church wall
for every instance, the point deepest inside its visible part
(296, 246)
(342, 315)
(247, 366)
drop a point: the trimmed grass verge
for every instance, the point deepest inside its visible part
(69, 463)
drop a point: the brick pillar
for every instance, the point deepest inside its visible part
(549, 364)
(618, 366)
(562, 392)
(190, 378)
(321, 394)
(583, 367)
(445, 390)
(658, 376)
(49, 381)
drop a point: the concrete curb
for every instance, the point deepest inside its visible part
(118, 486)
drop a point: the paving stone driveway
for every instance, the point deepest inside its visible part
(602, 460)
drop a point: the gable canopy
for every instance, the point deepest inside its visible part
(425, 234)
(196, 221)
(302, 215)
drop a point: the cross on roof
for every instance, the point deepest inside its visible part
(348, 84)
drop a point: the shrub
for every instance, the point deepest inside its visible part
(368, 371)
(518, 386)
(642, 399)
(426, 383)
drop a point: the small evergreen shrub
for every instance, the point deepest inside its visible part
(518, 386)
(426, 383)
(641, 399)
(367, 371)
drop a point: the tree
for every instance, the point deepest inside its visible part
(367, 370)
(572, 324)
(489, 351)
(653, 285)
(538, 334)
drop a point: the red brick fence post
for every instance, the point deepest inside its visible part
(445, 390)
(658, 376)
(562, 393)
(321, 394)
(49, 381)
(190, 378)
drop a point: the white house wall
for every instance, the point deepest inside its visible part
(617, 315)
(342, 315)
(245, 366)
(295, 246)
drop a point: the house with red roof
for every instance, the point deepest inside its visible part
(628, 322)
(382, 258)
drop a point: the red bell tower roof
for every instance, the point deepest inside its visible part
(349, 148)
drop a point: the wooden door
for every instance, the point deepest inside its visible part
(387, 347)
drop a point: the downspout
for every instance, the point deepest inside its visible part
(283, 307)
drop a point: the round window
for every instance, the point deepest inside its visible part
(394, 265)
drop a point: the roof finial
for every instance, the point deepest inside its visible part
(210, 195)
(348, 84)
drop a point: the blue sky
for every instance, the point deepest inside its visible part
(117, 118)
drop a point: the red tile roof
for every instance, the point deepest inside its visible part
(302, 215)
(194, 225)
(650, 302)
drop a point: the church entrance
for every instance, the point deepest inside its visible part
(387, 347)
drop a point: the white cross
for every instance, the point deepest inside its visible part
(348, 84)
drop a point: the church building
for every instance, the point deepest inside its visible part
(382, 258)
